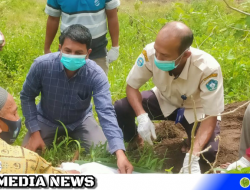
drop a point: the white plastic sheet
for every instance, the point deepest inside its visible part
(90, 168)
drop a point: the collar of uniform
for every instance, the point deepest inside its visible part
(184, 73)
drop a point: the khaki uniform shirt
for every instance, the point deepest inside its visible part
(200, 77)
(18, 160)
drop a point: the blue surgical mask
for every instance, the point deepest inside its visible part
(167, 65)
(73, 62)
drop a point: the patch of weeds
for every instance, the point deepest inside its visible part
(143, 161)
(63, 148)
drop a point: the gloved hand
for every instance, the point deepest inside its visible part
(195, 167)
(146, 128)
(113, 54)
(241, 163)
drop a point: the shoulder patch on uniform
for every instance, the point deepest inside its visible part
(144, 52)
(140, 62)
(210, 76)
(212, 85)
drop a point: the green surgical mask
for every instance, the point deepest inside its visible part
(73, 62)
(167, 65)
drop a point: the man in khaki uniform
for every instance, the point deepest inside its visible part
(178, 71)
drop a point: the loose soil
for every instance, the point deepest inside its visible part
(170, 137)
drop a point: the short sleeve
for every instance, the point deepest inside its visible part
(212, 93)
(53, 8)
(112, 4)
(141, 72)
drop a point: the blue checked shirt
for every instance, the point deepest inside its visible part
(69, 100)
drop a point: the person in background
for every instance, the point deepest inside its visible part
(67, 81)
(92, 14)
(3, 43)
(179, 72)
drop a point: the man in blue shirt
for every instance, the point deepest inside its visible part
(67, 80)
(94, 14)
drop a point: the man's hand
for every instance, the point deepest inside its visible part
(113, 54)
(35, 142)
(113, 26)
(2, 38)
(241, 163)
(204, 133)
(146, 128)
(123, 164)
(195, 167)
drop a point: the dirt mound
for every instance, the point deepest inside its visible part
(170, 138)
(230, 134)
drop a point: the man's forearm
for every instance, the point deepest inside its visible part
(135, 100)
(204, 133)
(29, 109)
(51, 30)
(30, 114)
(119, 153)
(113, 26)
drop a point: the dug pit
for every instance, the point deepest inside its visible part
(170, 137)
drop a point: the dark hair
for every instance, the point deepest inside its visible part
(186, 41)
(78, 33)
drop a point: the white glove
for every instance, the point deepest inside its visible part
(195, 167)
(113, 54)
(146, 128)
(241, 163)
(70, 166)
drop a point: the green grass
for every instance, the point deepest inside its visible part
(63, 148)
(23, 24)
(238, 170)
(144, 160)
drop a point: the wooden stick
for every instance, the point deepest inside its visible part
(227, 113)
(207, 37)
(192, 135)
(216, 158)
(245, 13)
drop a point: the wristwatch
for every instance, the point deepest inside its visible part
(248, 152)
